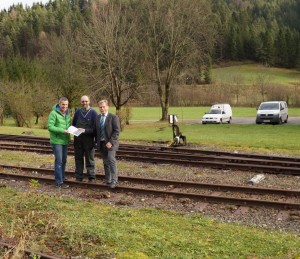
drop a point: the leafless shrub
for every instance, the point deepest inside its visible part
(294, 96)
(124, 115)
(236, 93)
(17, 97)
(44, 122)
(277, 92)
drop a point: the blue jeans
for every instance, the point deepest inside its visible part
(60, 152)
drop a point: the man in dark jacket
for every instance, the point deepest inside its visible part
(84, 118)
(107, 129)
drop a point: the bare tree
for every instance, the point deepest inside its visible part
(296, 97)
(262, 81)
(42, 100)
(63, 71)
(1, 113)
(237, 87)
(17, 99)
(110, 49)
(180, 34)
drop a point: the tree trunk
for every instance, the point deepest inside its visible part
(166, 103)
(37, 120)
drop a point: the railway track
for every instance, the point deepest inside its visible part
(209, 193)
(246, 199)
(171, 155)
(28, 253)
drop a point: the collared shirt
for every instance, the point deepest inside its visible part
(105, 115)
(102, 117)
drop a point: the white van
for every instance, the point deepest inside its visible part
(275, 112)
(219, 113)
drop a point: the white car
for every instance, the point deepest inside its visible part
(275, 112)
(219, 113)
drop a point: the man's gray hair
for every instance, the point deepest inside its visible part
(63, 99)
(103, 101)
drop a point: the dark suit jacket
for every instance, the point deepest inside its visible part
(112, 130)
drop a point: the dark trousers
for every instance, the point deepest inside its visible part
(110, 164)
(84, 151)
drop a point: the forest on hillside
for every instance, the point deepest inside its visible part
(126, 50)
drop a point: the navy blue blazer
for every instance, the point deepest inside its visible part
(112, 130)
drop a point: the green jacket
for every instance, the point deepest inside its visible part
(57, 124)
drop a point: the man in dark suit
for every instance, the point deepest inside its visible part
(84, 151)
(107, 128)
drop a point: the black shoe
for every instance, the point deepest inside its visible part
(92, 180)
(62, 185)
(113, 185)
(78, 179)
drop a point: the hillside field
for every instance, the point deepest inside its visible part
(249, 73)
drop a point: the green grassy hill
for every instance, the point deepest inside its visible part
(250, 73)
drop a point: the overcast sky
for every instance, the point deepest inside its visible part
(5, 4)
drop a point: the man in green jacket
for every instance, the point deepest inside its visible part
(59, 121)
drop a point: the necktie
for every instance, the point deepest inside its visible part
(102, 127)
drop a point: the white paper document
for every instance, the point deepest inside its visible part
(75, 131)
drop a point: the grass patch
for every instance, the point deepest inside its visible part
(146, 127)
(249, 74)
(153, 114)
(24, 131)
(68, 226)
(150, 114)
(262, 138)
(281, 139)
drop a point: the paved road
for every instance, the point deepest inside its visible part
(235, 120)
(244, 120)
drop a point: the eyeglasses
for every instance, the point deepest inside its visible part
(84, 101)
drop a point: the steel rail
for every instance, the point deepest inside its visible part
(187, 184)
(174, 155)
(218, 165)
(180, 150)
(162, 158)
(193, 196)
